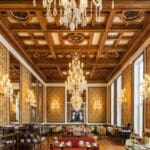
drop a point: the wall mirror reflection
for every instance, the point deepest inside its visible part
(14, 99)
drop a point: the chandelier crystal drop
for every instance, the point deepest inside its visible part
(75, 80)
(71, 13)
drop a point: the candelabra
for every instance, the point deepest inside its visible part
(97, 104)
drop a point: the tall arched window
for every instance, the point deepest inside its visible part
(119, 105)
(112, 103)
(138, 99)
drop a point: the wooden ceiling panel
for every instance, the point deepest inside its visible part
(103, 45)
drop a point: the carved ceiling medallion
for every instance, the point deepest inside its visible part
(75, 38)
(20, 16)
(129, 16)
(110, 54)
(41, 54)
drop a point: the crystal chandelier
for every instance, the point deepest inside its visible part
(6, 86)
(76, 101)
(146, 87)
(76, 80)
(71, 13)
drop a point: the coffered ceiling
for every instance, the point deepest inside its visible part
(104, 45)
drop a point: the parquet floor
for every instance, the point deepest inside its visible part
(109, 144)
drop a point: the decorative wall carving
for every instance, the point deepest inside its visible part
(56, 104)
(3, 70)
(127, 84)
(26, 83)
(97, 105)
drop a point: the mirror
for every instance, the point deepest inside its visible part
(34, 99)
(14, 75)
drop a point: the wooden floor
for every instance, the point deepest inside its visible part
(109, 144)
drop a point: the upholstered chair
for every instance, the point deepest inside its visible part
(102, 132)
(113, 131)
(145, 140)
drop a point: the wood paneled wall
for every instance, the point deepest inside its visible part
(127, 85)
(25, 86)
(3, 99)
(97, 95)
(147, 103)
(56, 104)
(108, 106)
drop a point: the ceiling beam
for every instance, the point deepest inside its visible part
(104, 35)
(92, 72)
(59, 71)
(84, 60)
(47, 65)
(43, 24)
(88, 28)
(82, 49)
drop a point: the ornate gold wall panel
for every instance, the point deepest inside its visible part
(127, 84)
(3, 70)
(40, 104)
(147, 103)
(55, 104)
(96, 97)
(26, 84)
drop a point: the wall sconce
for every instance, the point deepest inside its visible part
(97, 104)
(31, 98)
(122, 97)
(6, 88)
(146, 87)
(55, 104)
